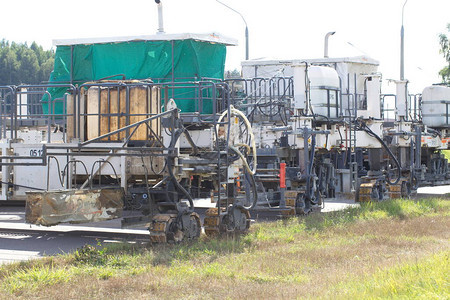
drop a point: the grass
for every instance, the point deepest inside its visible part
(392, 249)
(425, 279)
(446, 154)
(33, 278)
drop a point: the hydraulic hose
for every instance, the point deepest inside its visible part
(310, 167)
(237, 112)
(252, 177)
(371, 133)
(190, 141)
(175, 136)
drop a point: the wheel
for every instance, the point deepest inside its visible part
(234, 221)
(172, 228)
(192, 227)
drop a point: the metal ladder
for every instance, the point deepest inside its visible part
(213, 216)
(222, 179)
(353, 164)
(350, 119)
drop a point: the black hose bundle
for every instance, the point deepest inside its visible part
(369, 131)
(175, 136)
(252, 178)
(309, 170)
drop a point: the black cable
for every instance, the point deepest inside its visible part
(253, 182)
(175, 136)
(313, 149)
(153, 170)
(75, 161)
(190, 141)
(99, 170)
(340, 135)
(58, 167)
(285, 121)
(373, 134)
(435, 132)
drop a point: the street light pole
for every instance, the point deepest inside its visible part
(246, 42)
(402, 47)
(246, 28)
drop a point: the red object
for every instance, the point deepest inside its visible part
(282, 175)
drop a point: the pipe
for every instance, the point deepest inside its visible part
(160, 18)
(325, 51)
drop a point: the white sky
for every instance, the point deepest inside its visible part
(284, 29)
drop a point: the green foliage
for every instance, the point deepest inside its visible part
(91, 255)
(20, 64)
(232, 74)
(445, 51)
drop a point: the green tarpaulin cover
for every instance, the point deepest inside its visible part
(140, 60)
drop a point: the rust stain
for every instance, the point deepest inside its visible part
(73, 206)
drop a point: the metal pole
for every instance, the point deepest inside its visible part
(246, 42)
(402, 47)
(325, 51)
(71, 64)
(160, 17)
(246, 28)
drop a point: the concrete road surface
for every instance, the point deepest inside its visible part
(20, 241)
(436, 191)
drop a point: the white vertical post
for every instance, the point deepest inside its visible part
(300, 86)
(401, 105)
(373, 85)
(22, 104)
(6, 171)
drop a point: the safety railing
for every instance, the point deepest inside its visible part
(31, 106)
(79, 113)
(262, 98)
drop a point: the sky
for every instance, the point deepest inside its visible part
(282, 29)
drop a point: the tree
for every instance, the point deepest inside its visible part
(20, 64)
(445, 51)
(232, 74)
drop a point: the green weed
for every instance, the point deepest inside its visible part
(91, 255)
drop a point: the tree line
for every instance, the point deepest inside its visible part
(445, 51)
(23, 64)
